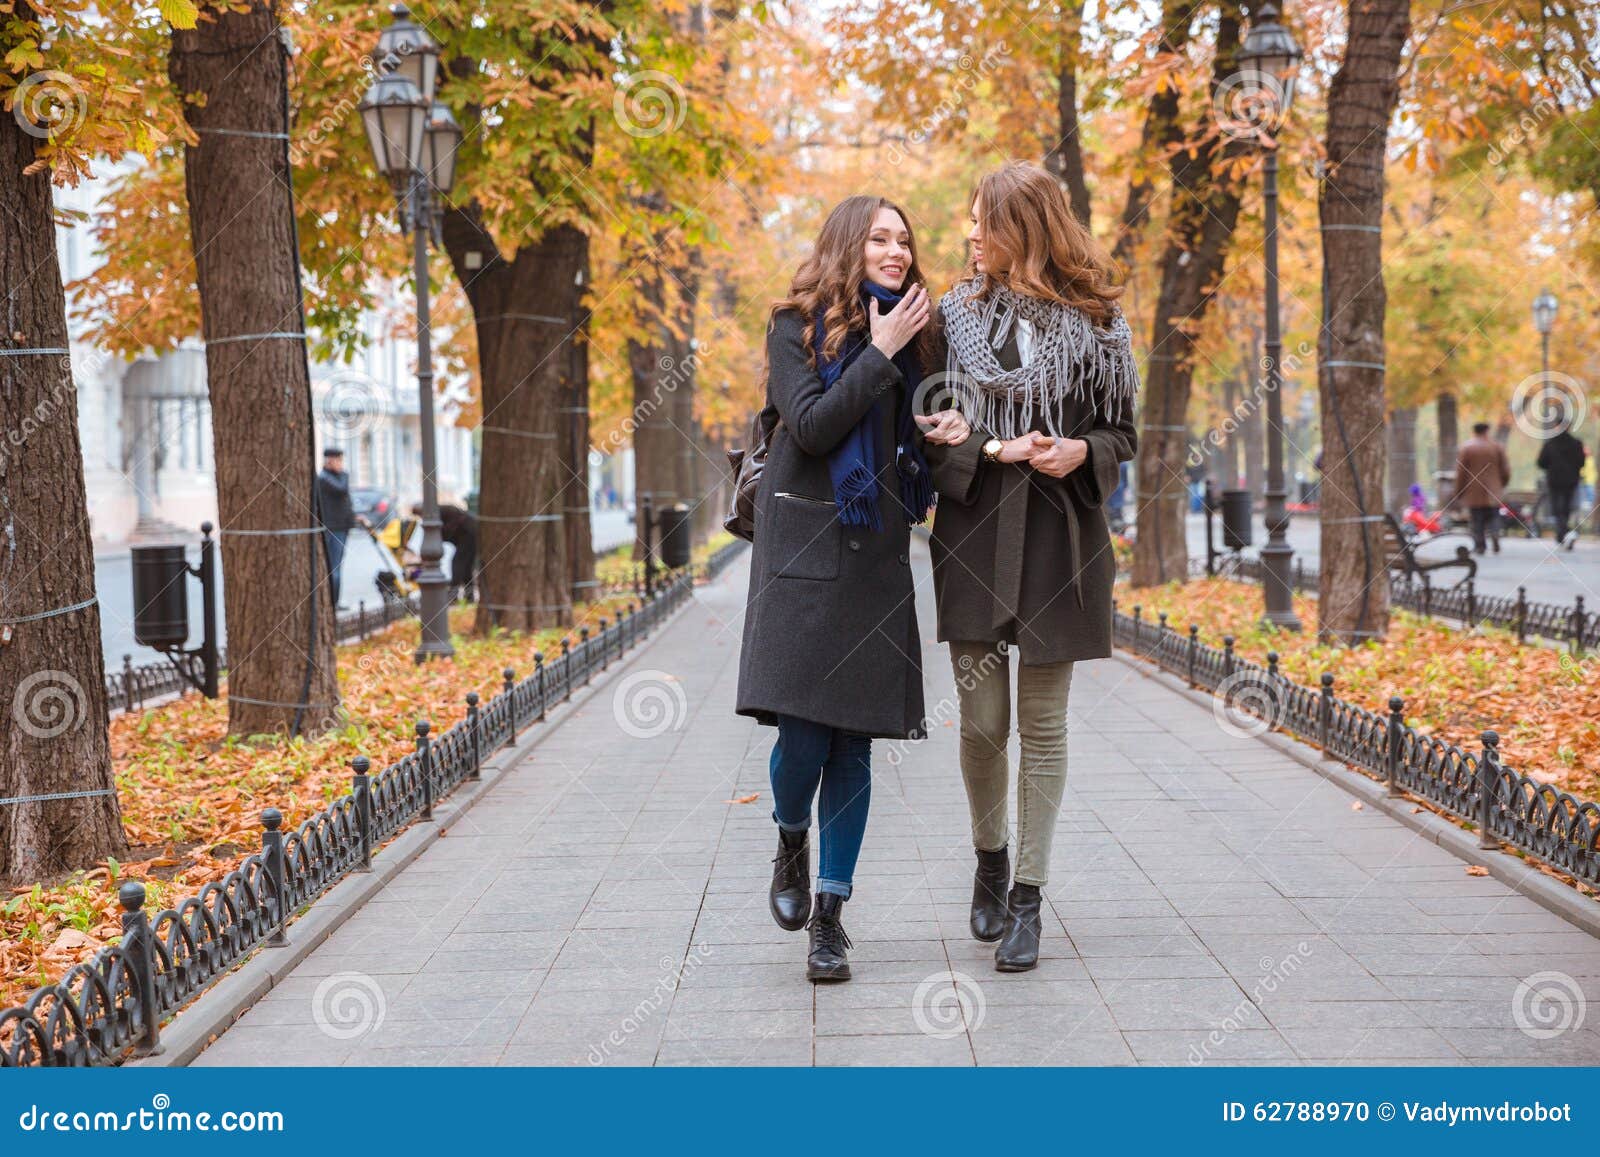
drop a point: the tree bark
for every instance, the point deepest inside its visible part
(1065, 159)
(232, 71)
(1353, 596)
(1205, 208)
(1447, 414)
(52, 678)
(575, 497)
(523, 309)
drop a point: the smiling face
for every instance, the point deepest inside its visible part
(888, 257)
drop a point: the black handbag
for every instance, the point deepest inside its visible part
(747, 465)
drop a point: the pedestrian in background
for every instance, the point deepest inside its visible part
(1561, 458)
(336, 513)
(459, 527)
(1482, 473)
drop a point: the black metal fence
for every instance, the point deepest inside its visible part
(1503, 805)
(1574, 625)
(112, 1005)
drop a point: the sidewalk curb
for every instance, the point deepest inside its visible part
(1547, 892)
(191, 1030)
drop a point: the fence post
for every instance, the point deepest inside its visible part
(1579, 621)
(1194, 651)
(566, 668)
(539, 683)
(583, 645)
(1472, 603)
(1397, 724)
(1427, 595)
(1488, 776)
(1227, 657)
(1161, 640)
(508, 686)
(139, 950)
(361, 788)
(272, 855)
(361, 619)
(474, 722)
(425, 760)
(1138, 632)
(1325, 712)
(1522, 614)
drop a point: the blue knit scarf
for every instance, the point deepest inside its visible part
(853, 463)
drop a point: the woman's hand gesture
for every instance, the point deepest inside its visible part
(892, 331)
(945, 428)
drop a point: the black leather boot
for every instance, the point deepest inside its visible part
(827, 960)
(989, 885)
(1019, 951)
(790, 895)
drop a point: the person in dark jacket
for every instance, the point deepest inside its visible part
(459, 528)
(1041, 362)
(830, 652)
(1482, 473)
(337, 514)
(1561, 458)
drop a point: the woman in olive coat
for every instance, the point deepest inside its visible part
(831, 654)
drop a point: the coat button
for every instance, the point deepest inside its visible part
(855, 545)
(905, 560)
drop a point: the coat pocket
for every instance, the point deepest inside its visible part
(805, 536)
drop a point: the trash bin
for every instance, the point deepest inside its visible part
(160, 596)
(672, 524)
(1235, 519)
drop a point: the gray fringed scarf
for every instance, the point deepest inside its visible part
(1071, 358)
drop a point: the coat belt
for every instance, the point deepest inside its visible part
(1011, 532)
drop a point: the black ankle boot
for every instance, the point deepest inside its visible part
(989, 885)
(827, 960)
(1019, 951)
(790, 895)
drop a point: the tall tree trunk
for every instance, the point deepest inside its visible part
(523, 310)
(657, 377)
(1161, 131)
(1228, 461)
(53, 737)
(575, 498)
(1205, 207)
(1353, 596)
(1402, 457)
(232, 71)
(1065, 159)
(1448, 416)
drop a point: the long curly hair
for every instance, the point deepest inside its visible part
(829, 279)
(1050, 254)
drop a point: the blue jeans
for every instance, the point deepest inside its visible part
(335, 540)
(811, 755)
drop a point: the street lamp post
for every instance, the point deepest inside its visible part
(1544, 320)
(1267, 65)
(414, 141)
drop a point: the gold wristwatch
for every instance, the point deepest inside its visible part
(992, 448)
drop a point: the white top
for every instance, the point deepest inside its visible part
(1024, 340)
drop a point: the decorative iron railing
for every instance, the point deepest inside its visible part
(1502, 804)
(1574, 625)
(111, 1006)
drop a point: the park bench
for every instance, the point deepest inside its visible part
(1400, 549)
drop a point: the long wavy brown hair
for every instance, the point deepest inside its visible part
(1047, 251)
(829, 279)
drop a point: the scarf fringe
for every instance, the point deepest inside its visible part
(1072, 359)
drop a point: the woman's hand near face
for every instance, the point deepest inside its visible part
(946, 428)
(1059, 457)
(893, 331)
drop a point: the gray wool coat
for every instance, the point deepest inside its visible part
(1024, 558)
(830, 627)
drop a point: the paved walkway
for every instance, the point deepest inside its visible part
(1210, 901)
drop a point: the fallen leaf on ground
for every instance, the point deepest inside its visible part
(1477, 870)
(1356, 805)
(744, 798)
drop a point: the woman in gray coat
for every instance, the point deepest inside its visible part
(1041, 361)
(831, 654)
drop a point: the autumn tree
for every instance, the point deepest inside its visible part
(1353, 592)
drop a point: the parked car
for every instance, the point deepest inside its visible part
(377, 506)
